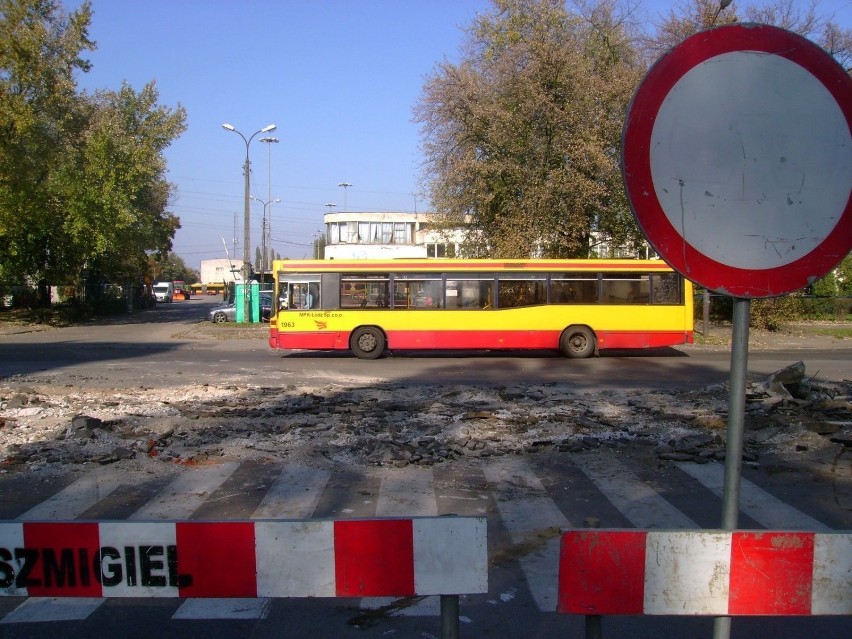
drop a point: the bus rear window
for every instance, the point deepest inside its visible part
(666, 288)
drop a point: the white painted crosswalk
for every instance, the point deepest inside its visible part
(637, 501)
(186, 493)
(771, 512)
(294, 495)
(76, 498)
(532, 520)
(526, 514)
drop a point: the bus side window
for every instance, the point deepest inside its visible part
(304, 296)
(297, 296)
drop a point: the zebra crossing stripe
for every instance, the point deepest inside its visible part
(403, 494)
(758, 504)
(294, 495)
(637, 501)
(186, 493)
(46, 609)
(252, 609)
(718, 573)
(529, 519)
(245, 559)
(76, 498)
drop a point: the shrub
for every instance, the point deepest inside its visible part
(772, 313)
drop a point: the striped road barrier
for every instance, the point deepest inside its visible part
(393, 557)
(701, 572)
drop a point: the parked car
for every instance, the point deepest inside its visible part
(228, 312)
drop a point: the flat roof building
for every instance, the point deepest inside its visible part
(372, 235)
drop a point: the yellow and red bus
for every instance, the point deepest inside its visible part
(575, 306)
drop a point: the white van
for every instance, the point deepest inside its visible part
(164, 291)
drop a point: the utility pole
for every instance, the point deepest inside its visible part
(267, 222)
(345, 186)
(247, 215)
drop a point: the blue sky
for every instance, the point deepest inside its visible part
(339, 78)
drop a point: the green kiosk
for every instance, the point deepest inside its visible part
(254, 302)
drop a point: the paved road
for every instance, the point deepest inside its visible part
(525, 499)
(172, 346)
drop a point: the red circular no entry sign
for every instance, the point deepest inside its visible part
(737, 160)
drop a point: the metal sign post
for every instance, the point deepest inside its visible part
(735, 434)
(737, 161)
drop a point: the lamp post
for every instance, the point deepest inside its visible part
(723, 4)
(264, 245)
(247, 215)
(267, 221)
(318, 237)
(345, 186)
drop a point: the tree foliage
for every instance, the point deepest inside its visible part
(171, 267)
(522, 137)
(690, 16)
(82, 177)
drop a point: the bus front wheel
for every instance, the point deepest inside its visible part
(367, 342)
(577, 342)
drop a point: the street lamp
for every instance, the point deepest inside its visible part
(345, 186)
(267, 238)
(318, 235)
(723, 4)
(247, 215)
(264, 230)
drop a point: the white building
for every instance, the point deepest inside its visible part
(376, 235)
(220, 271)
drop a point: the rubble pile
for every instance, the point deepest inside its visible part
(43, 427)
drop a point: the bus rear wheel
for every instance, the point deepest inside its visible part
(577, 342)
(367, 342)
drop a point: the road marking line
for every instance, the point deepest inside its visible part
(186, 493)
(294, 495)
(223, 609)
(42, 609)
(407, 493)
(530, 519)
(758, 504)
(631, 496)
(75, 499)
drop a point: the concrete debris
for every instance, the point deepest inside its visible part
(396, 426)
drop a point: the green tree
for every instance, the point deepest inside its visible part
(82, 177)
(171, 267)
(115, 192)
(521, 139)
(41, 48)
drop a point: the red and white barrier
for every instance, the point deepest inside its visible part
(343, 558)
(718, 573)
